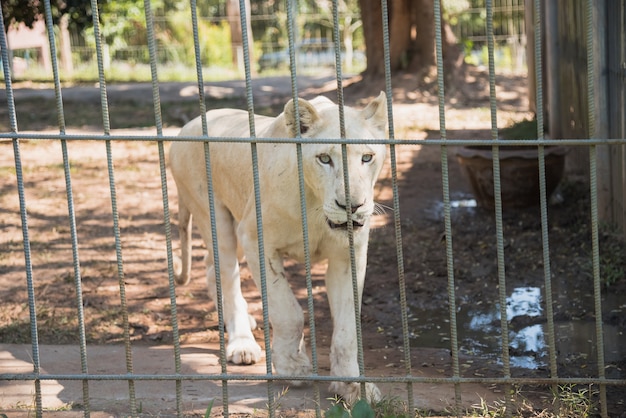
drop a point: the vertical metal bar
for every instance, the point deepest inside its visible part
(498, 209)
(257, 199)
(32, 308)
(291, 4)
(70, 206)
(454, 343)
(593, 180)
(544, 195)
(166, 211)
(346, 182)
(211, 201)
(396, 207)
(116, 228)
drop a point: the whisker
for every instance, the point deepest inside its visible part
(380, 209)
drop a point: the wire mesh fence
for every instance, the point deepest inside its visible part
(604, 389)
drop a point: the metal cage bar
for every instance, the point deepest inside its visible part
(593, 182)
(293, 73)
(454, 340)
(114, 208)
(156, 99)
(71, 208)
(28, 265)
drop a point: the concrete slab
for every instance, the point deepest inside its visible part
(153, 396)
(64, 398)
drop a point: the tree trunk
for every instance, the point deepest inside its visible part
(424, 15)
(236, 33)
(371, 14)
(401, 48)
(412, 37)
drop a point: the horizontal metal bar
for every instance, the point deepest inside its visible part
(348, 141)
(312, 378)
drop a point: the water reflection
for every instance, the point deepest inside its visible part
(527, 343)
(479, 330)
(524, 301)
(461, 202)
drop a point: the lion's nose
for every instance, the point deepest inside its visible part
(353, 208)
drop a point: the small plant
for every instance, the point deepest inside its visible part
(524, 129)
(484, 410)
(361, 409)
(612, 256)
(569, 401)
(575, 402)
(279, 396)
(386, 408)
(207, 413)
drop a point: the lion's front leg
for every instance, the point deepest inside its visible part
(288, 349)
(344, 345)
(242, 347)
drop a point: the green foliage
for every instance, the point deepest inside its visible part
(386, 408)
(215, 44)
(361, 409)
(525, 129)
(125, 37)
(569, 401)
(472, 16)
(214, 40)
(612, 256)
(575, 402)
(207, 413)
(337, 411)
(29, 11)
(122, 23)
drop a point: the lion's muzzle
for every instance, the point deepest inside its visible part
(355, 225)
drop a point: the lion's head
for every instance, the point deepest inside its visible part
(323, 163)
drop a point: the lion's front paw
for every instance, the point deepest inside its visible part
(294, 364)
(351, 392)
(243, 350)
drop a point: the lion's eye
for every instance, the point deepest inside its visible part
(366, 158)
(324, 159)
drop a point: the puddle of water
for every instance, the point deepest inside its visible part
(479, 331)
(463, 203)
(457, 202)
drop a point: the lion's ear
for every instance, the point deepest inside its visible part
(376, 112)
(308, 116)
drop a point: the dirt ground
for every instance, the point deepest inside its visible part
(425, 265)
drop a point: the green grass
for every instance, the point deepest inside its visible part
(612, 255)
(525, 129)
(568, 401)
(121, 72)
(360, 409)
(52, 326)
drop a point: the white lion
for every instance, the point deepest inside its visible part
(327, 217)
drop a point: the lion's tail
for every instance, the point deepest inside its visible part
(182, 266)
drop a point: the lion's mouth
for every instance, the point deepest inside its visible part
(355, 225)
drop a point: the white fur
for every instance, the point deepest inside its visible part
(282, 229)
